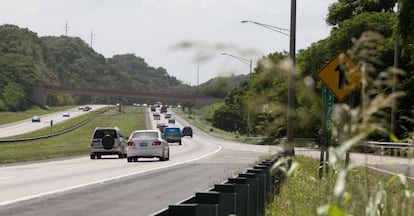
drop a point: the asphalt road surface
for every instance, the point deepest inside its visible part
(111, 186)
(26, 126)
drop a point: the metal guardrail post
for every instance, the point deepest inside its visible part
(262, 185)
(253, 184)
(194, 209)
(242, 195)
(226, 201)
(265, 169)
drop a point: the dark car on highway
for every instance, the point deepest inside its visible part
(187, 131)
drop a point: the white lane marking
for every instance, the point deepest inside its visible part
(104, 180)
(6, 177)
(72, 168)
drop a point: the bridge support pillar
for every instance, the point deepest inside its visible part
(38, 96)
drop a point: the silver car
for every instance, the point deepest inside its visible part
(107, 141)
(147, 144)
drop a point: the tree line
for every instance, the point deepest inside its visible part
(27, 60)
(258, 107)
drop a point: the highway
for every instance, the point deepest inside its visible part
(26, 126)
(111, 186)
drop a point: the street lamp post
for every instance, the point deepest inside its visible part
(270, 27)
(289, 150)
(245, 61)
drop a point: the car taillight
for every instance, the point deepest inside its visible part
(156, 143)
(131, 143)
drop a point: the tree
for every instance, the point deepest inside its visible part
(346, 9)
(14, 98)
(229, 118)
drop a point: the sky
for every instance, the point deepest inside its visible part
(157, 30)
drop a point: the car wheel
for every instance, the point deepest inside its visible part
(121, 155)
(98, 156)
(135, 159)
(92, 157)
(108, 142)
(180, 142)
(129, 159)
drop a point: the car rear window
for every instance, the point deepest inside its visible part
(172, 131)
(144, 135)
(99, 134)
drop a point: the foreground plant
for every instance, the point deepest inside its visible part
(349, 189)
(355, 123)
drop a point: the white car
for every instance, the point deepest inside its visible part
(147, 144)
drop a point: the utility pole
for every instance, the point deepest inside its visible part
(66, 28)
(198, 75)
(289, 148)
(92, 38)
(394, 76)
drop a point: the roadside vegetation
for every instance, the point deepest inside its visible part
(367, 32)
(74, 143)
(368, 193)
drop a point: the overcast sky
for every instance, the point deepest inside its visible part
(152, 29)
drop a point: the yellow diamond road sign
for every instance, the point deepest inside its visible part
(341, 76)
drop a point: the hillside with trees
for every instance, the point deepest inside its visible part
(259, 107)
(27, 60)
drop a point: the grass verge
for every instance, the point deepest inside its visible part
(303, 192)
(75, 142)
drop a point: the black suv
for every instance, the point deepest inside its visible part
(187, 131)
(108, 141)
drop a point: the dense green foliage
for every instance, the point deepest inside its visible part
(263, 104)
(346, 9)
(27, 60)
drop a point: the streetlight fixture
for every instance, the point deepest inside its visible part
(270, 27)
(289, 149)
(245, 61)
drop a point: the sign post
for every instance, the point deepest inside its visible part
(340, 77)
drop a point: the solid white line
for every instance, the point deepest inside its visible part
(6, 177)
(104, 180)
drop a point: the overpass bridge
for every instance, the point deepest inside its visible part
(39, 94)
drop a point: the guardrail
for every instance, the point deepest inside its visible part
(394, 145)
(52, 134)
(246, 194)
(394, 148)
